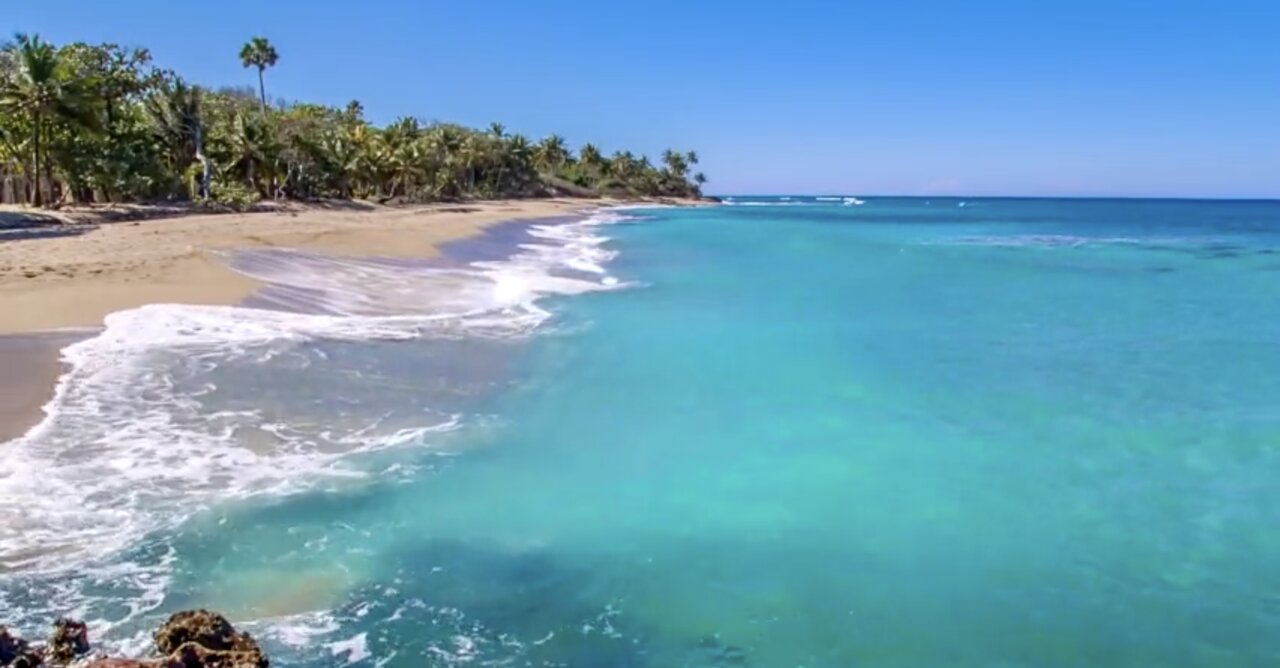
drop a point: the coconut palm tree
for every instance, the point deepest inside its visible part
(405, 129)
(39, 90)
(259, 53)
(253, 148)
(675, 162)
(589, 156)
(174, 111)
(622, 165)
(517, 164)
(497, 129)
(551, 154)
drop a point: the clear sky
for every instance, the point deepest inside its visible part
(999, 97)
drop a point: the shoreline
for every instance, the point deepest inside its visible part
(57, 289)
(35, 362)
(76, 274)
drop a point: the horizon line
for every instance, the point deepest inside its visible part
(1187, 198)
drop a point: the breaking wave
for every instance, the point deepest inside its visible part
(173, 409)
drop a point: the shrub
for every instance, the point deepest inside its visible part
(234, 195)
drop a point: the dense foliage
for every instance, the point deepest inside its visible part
(102, 123)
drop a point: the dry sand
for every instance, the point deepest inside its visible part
(69, 273)
(80, 273)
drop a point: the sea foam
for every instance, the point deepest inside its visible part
(140, 436)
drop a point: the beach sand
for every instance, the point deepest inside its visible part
(57, 275)
(31, 368)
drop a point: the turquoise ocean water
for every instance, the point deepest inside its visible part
(780, 432)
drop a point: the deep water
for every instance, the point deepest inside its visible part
(987, 432)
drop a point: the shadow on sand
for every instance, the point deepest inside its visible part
(15, 225)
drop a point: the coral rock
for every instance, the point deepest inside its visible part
(70, 639)
(203, 639)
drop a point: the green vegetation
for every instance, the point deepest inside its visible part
(101, 123)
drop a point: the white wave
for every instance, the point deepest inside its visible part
(356, 648)
(774, 203)
(1045, 240)
(133, 440)
(300, 630)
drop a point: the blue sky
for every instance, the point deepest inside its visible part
(1035, 97)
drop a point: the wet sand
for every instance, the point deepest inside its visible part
(29, 369)
(75, 278)
(59, 275)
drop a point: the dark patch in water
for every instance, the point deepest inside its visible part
(1219, 251)
(713, 652)
(455, 600)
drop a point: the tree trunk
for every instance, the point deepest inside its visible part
(203, 191)
(55, 188)
(35, 160)
(262, 91)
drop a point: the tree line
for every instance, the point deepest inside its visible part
(102, 123)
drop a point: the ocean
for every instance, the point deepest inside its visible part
(780, 432)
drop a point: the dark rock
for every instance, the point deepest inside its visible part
(190, 639)
(70, 640)
(199, 638)
(10, 646)
(28, 660)
(193, 655)
(16, 652)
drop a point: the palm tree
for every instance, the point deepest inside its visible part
(177, 121)
(354, 111)
(551, 154)
(590, 156)
(259, 53)
(622, 165)
(39, 90)
(517, 163)
(497, 129)
(675, 163)
(340, 157)
(404, 130)
(253, 148)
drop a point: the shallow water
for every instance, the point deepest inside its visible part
(906, 433)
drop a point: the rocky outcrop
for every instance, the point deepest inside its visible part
(70, 640)
(203, 638)
(189, 639)
(16, 652)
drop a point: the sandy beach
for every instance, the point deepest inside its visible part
(67, 275)
(75, 277)
(31, 367)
